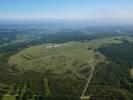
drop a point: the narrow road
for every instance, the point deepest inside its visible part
(90, 76)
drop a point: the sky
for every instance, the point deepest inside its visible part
(72, 10)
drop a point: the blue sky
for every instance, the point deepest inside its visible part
(89, 10)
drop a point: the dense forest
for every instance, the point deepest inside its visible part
(118, 71)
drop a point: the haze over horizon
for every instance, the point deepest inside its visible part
(105, 11)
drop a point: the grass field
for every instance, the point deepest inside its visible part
(61, 58)
(66, 63)
(9, 97)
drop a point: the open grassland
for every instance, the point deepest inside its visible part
(61, 71)
(59, 58)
